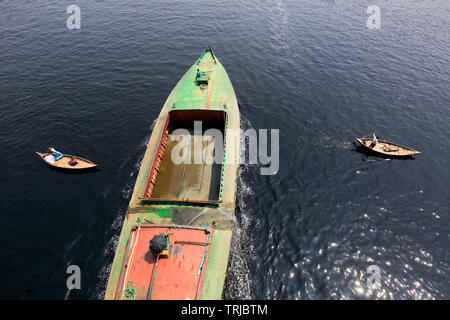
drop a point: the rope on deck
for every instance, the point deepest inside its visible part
(130, 292)
(150, 293)
(200, 269)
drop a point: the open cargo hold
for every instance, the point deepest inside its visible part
(184, 168)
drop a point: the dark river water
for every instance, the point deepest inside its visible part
(312, 69)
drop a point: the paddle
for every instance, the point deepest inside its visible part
(378, 137)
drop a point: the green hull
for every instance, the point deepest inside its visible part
(189, 95)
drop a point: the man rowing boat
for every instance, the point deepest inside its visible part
(374, 141)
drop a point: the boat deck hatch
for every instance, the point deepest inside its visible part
(203, 79)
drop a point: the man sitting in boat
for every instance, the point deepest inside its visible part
(374, 141)
(73, 162)
(53, 156)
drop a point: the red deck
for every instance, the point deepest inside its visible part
(174, 278)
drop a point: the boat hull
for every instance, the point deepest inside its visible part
(387, 148)
(216, 215)
(63, 163)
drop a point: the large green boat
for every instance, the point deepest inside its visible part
(176, 236)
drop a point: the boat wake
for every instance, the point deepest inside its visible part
(238, 282)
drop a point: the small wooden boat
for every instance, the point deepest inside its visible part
(387, 148)
(63, 163)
